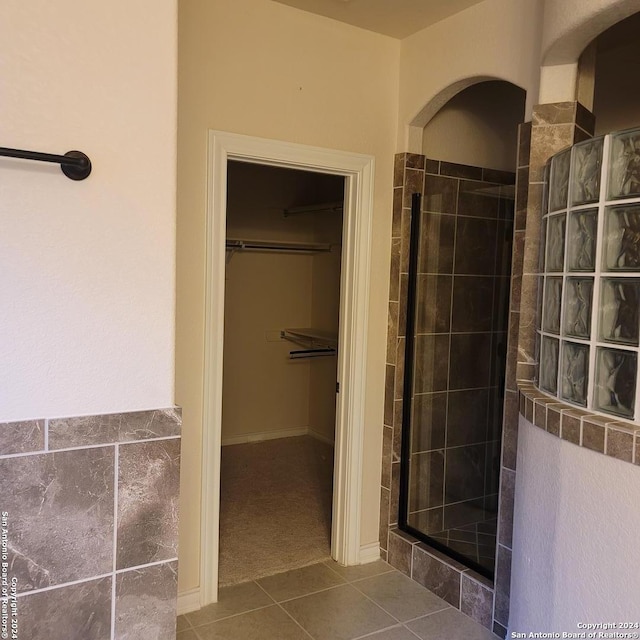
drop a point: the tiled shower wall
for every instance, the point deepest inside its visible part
(90, 520)
(554, 127)
(462, 295)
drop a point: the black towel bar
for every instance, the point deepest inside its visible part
(74, 164)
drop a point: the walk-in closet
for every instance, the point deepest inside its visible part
(281, 319)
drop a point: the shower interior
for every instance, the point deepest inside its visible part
(457, 314)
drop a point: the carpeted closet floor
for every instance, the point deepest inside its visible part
(275, 507)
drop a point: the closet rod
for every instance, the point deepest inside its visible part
(289, 247)
(74, 164)
(314, 208)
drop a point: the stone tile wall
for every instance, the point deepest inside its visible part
(90, 521)
(484, 222)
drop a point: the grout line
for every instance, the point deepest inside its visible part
(64, 584)
(145, 566)
(283, 609)
(116, 470)
(312, 593)
(88, 446)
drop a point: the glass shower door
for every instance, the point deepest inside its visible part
(458, 292)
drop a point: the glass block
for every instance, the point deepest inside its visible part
(549, 364)
(556, 226)
(619, 311)
(624, 164)
(552, 298)
(577, 307)
(545, 189)
(543, 246)
(616, 382)
(575, 371)
(559, 184)
(581, 244)
(585, 171)
(622, 238)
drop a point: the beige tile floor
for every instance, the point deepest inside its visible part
(328, 602)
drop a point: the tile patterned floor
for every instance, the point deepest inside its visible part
(328, 602)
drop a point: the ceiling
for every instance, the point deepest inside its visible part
(396, 18)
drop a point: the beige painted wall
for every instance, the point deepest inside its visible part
(478, 127)
(87, 320)
(263, 390)
(617, 92)
(450, 53)
(264, 69)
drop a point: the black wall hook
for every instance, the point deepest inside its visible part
(74, 164)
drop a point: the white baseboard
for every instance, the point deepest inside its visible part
(188, 601)
(319, 436)
(274, 435)
(265, 435)
(369, 553)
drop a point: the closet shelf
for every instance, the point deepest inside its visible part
(233, 244)
(316, 342)
(329, 207)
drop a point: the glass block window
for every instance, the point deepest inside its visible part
(589, 315)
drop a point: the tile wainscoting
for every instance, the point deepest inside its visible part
(90, 522)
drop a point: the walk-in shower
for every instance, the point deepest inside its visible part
(456, 335)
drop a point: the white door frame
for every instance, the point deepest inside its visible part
(352, 338)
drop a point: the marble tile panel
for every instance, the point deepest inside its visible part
(470, 361)
(387, 440)
(414, 161)
(437, 238)
(396, 224)
(392, 332)
(440, 575)
(389, 387)
(405, 246)
(570, 426)
(620, 442)
(426, 477)
(510, 430)
(456, 170)
(116, 427)
(440, 194)
(399, 550)
(593, 432)
(473, 201)
(400, 357)
(503, 585)
(499, 630)
(522, 196)
(76, 611)
(394, 494)
(433, 302)
(148, 490)
(384, 517)
(554, 113)
(429, 422)
(546, 141)
(475, 246)
(398, 169)
(397, 429)
(512, 351)
(413, 183)
(476, 601)
(146, 603)
(524, 144)
(432, 166)
(430, 352)
(585, 119)
(60, 520)
(21, 437)
(472, 308)
(505, 513)
(498, 176)
(394, 276)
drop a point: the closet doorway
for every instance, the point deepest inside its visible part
(282, 312)
(229, 156)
